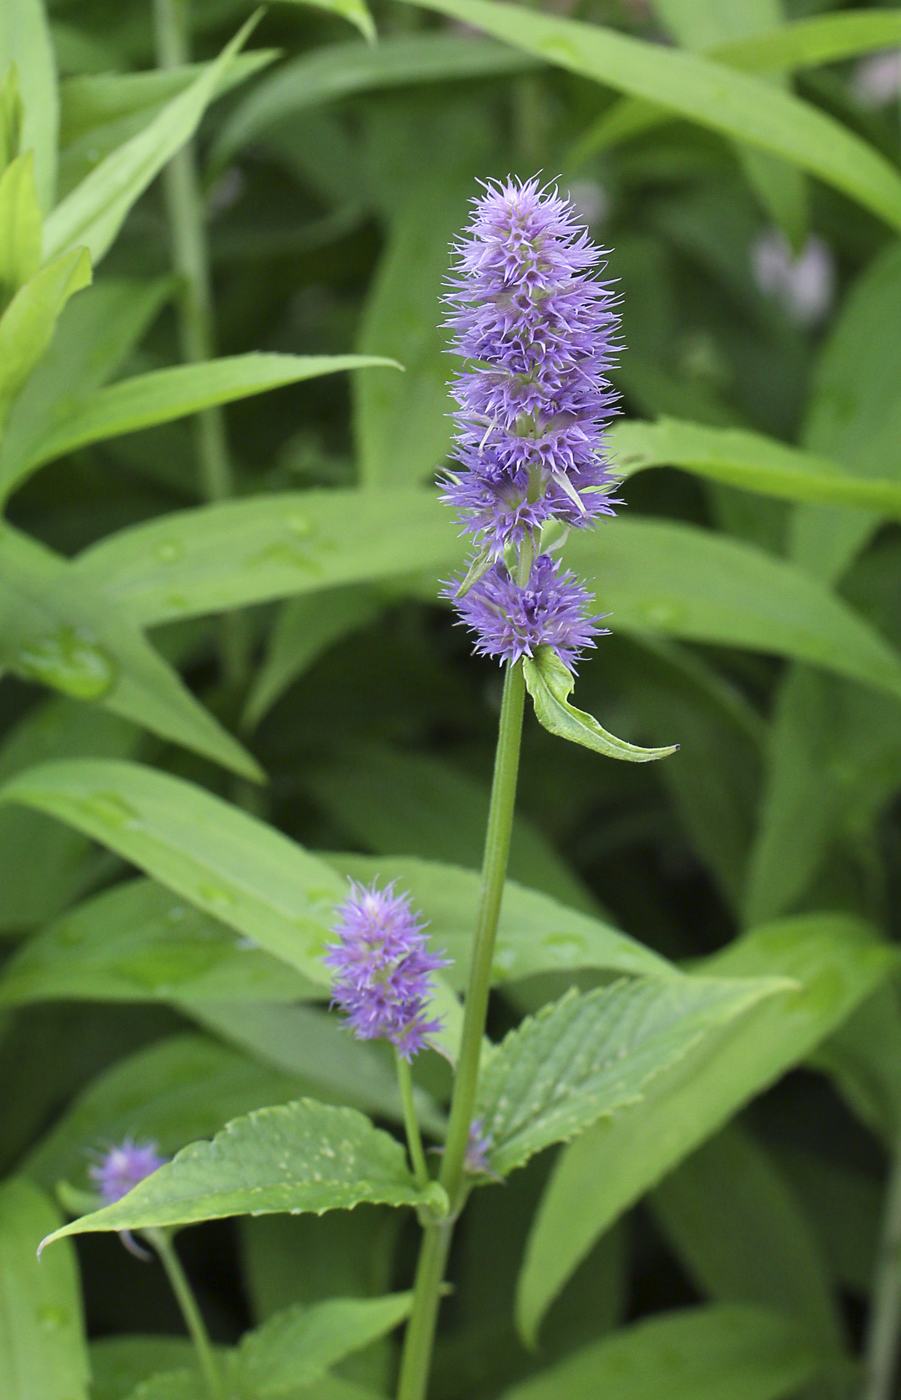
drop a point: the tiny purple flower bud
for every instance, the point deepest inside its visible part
(122, 1167)
(477, 1149)
(538, 333)
(511, 622)
(382, 968)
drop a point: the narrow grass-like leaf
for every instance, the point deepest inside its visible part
(700, 89)
(302, 1156)
(20, 227)
(93, 213)
(584, 1057)
(338, 70)
(167, 394)
(707, 1353)
(301, 1343)
(42, 1344)
(224, 861)
(550, 684)
(837, 962)
(25, 40)
(27, 324)
(356, 12)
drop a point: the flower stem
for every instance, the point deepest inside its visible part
(881, 1347)
(162, 1243)
(411, 1122)
(190, 259)
(420, 1335)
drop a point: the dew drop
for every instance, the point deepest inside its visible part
(169, 551)
(216, 894)
(69, 661)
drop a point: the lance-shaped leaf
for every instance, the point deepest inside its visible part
(20, 227)
(700, 89)
(337, 70)
(302, 1156)
(550, 684)
(583, 1057)
(298, 1345)
(224, 861)
(27, 324)
(25, 41)
(356, 12)
(167, 394)
(93, 213)
(42, 1345)
(63, 634)
(748, 460)
(836, 961)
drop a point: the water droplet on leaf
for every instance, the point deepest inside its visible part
(68, 661)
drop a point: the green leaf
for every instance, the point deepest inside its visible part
(305, 628)
(654, 576)
(337, 70)
(187, 1384)
(224, 861)
(62, 633)
(854, 416)
(309, 1043)
(25, 41)
(299, 1345)
(136, 942)
(844, 1206)
(714, 1353)
(30, 841)
(217, 557)
(27, 324)
(437, 812)
(119, 1364)
(166, 394)
(180, 1088)
(748, 460)
(587, 1057)
(403, 426)
(550, 684)
(101, 111)
(355, 11)
(535, 933)
(20, 227)
(701, 90)
(111, 318)
(302, 1156)
(805, 43)
(42, 1345)
(837, 963)
(734, 1223)
(863, 1058)
(94, 211)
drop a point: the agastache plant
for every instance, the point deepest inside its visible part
(536, 332)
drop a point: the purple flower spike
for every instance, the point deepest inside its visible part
(539, 333)
(122, 1167)
(511, 622)
(382, 968)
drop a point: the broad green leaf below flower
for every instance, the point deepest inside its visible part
(301, 1156)
(550, 684)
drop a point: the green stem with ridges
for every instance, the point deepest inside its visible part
(411, 1122)
(162, 1243)
(419, 1340)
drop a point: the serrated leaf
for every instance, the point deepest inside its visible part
(535, 933)
(585, 1056)
(712, 1353)
(92, 214)
(302, 1156)
(700, 89)
(836, 960)
(228, 864)
(550, 684)
(63, 634)
(178, 1089)
(337, 70)
(298, 1345)
(27, 324)
(42, 1345)
(139, 942)
(168, 394)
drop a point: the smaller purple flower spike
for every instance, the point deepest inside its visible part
(383, 968)
(511, 622)
(121, 1167)
(477, 1149)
